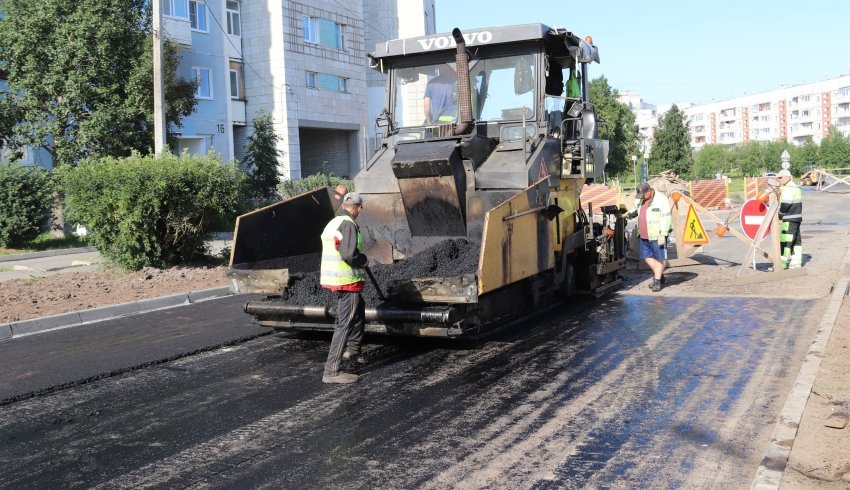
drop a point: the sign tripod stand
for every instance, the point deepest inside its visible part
(768, 229)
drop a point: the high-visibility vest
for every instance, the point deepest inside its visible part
(335, 271)
(791, 202)
(659, 220)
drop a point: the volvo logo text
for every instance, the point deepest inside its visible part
(445, 42)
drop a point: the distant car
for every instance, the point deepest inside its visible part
(769, 174)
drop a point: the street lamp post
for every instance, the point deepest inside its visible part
(634, 168)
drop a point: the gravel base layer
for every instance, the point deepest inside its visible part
(451, 257)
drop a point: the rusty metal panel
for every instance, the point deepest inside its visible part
(432, 182)
(284, 229)
(518, 241)
(258, 281)
(457, 289)
(432, 205)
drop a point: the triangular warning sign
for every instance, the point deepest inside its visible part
(694, 233)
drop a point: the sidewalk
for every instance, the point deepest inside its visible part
(49, 262)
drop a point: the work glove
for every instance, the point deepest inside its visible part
(662, 241)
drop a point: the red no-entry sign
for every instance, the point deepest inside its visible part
(752, 215)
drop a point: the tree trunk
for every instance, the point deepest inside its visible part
(57, 216)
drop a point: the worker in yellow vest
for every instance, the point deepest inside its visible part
(343, 272)
(655, 222)
(791, 214)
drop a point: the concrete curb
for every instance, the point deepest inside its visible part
(769, 473)
(46, 253)
(73, 319)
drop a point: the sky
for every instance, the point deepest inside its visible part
(679, 51)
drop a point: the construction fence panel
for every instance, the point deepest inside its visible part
(601, 195)
(752, 186)
(710, 194)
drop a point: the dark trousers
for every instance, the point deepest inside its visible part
(348, 330)
(791, 245)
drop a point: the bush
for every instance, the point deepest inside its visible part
(25, 197)
(292, 188)
(150, 211)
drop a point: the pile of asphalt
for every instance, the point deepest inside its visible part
(451, 257)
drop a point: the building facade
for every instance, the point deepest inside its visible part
(304, 63)
(796, 114)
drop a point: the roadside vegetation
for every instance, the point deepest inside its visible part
(151, 211)
(25, 194)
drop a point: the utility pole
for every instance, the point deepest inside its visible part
(158, 84)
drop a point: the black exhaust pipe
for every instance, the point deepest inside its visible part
(265, 310)
(463, 95)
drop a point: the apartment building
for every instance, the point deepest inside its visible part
(796, 114)
(646, 117)
(302, 62)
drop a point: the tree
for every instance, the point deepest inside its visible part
(81, 77)
(620, 120)
(260, 163)
(834, 150)
(671, 147)
(709, 160)
(805, 155)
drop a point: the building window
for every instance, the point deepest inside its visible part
(234, 28)
(204, 88)
(323, 32)
(311, 29)
(324, 81)
(236, 91)
(198, 16)
(843, 91)
(175, 8)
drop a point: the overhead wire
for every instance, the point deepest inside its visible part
(238, 48)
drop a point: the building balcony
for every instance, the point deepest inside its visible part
(237, 111)
(178, 29)
(802, 131)
(842, 95)
(233, 47)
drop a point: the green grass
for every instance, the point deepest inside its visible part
(46, 242)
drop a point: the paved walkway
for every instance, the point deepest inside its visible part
(50, 262)
(40, 264)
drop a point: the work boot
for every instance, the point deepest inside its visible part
(663, 279)
(656, 285)
(339, 378)
(356, 357)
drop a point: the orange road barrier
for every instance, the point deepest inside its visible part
(752, 186)
(710, 193)
(601, 195)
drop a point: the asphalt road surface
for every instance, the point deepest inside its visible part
(629, 391)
